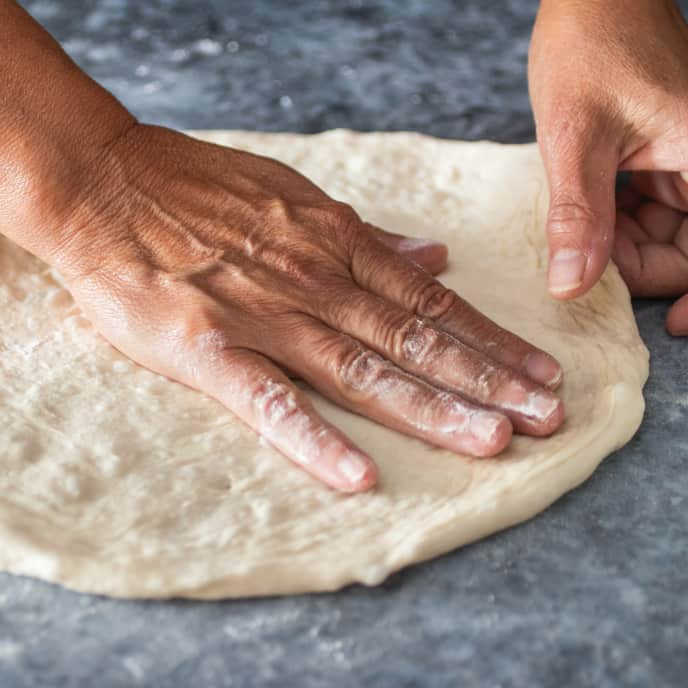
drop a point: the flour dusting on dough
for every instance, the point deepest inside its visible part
(121, 482)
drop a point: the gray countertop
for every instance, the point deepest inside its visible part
(593, 592)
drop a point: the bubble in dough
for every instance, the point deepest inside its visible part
(114, 480)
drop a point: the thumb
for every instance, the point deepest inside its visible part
(581, 163)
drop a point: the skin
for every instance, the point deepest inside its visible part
(609, 88)
(232, 274)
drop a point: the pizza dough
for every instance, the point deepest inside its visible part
(114, 480)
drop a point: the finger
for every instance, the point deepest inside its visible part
(581, 161)
(659, 221)
(362, 381)
(664, 187)
(628, 226)
(628, 200)
(263, 397)
(677, 318)
(429, 254)
(649, 269)
(401, 282)
(421, 349)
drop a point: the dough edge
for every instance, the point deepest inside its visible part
(295, 577)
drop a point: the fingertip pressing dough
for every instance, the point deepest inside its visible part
(115, 480)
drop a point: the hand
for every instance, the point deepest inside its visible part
(609, 89)
(227, 271)
(224, 270)
(651, 243)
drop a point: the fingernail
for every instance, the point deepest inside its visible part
(485, 425)
(538, 405)
(352, 467)
(542, 368)
(543, 406)
(566, 270)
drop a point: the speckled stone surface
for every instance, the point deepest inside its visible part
(591, 593)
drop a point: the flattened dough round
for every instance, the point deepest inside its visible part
(114, 480)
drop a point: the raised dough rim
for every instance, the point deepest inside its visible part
(511, 513)
(434, 545)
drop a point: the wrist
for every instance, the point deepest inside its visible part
(48, 162)
(56, 121)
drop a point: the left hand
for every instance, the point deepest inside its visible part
(609, 87)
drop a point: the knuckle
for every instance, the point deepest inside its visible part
(361, 371)
(199, 330)
(433, 300)
(211, 342)
(277, 208)
(442, 403)
(198, 348)
(333, 215)
(567, 212)
(273, 403)
(415, 341)
(342, 214)
(306, 272)
(343, 222)
(490, 381)
(333, 302)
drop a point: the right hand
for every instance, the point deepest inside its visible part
(228, 271)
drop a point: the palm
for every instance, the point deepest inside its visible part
(651, 241)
